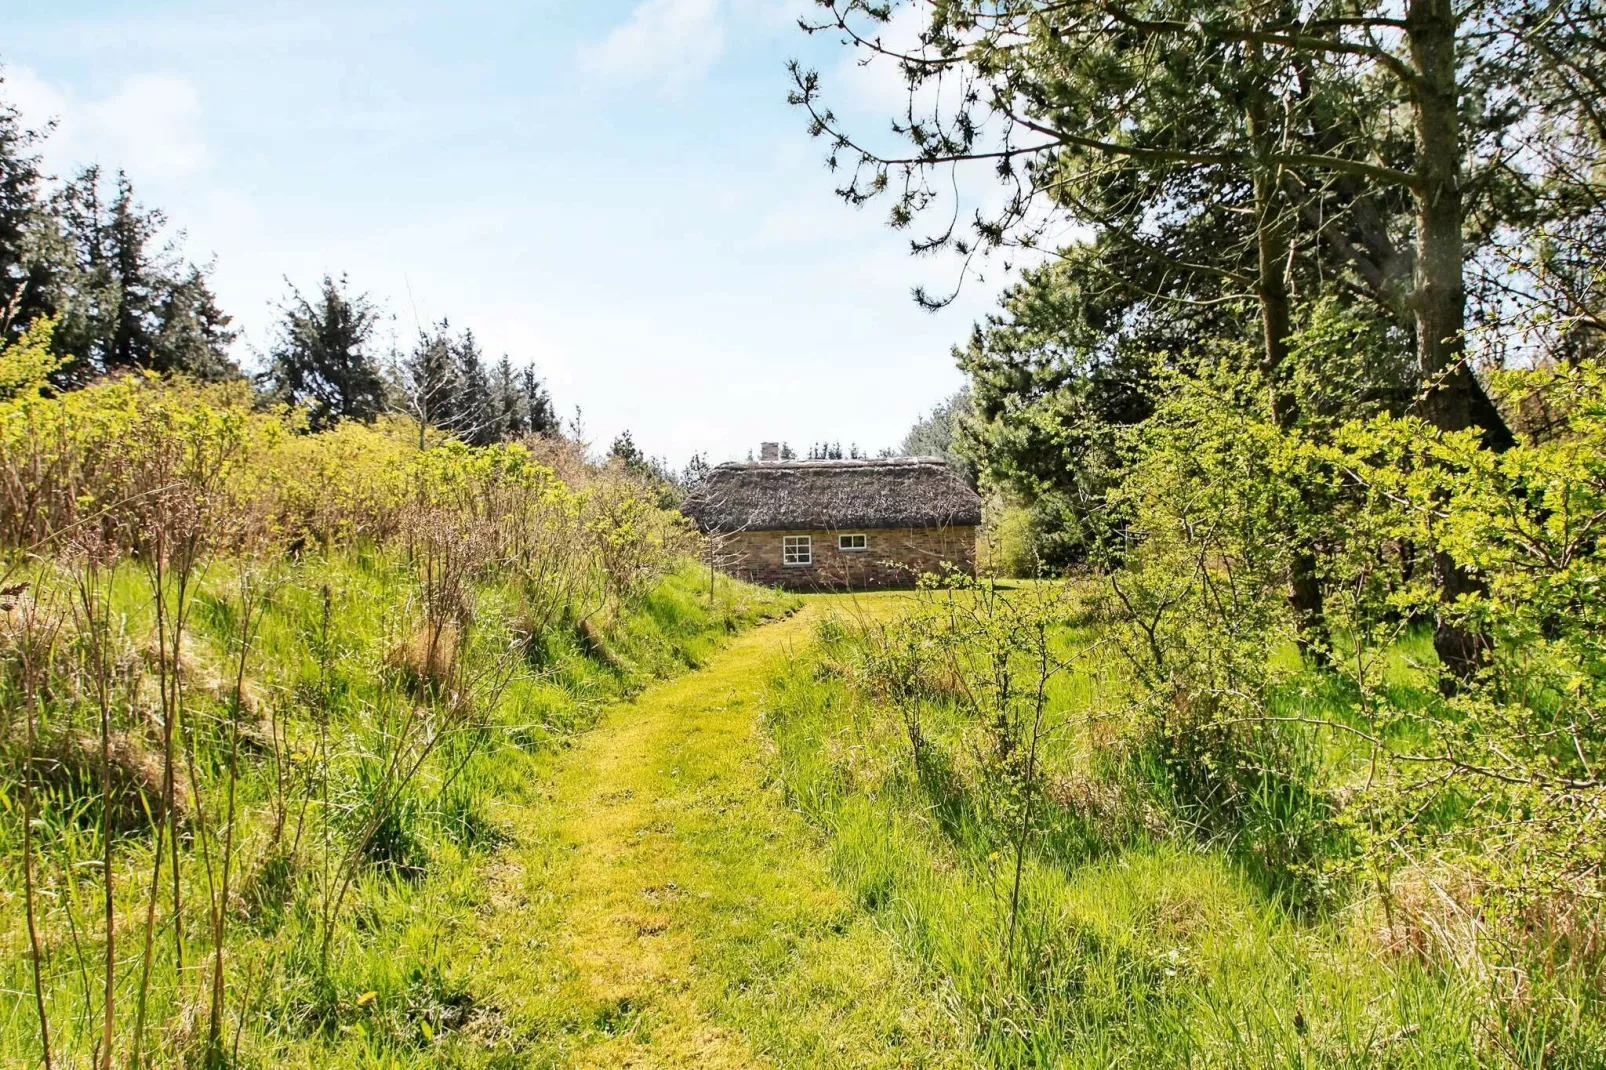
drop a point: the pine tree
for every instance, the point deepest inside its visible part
(625, 450)
(473, 416)
(539, 413)
(24, 276)
(429, 380)
(193, 335)
(696, 471)
(507, 402)
(320, 359)
(128, 230)
(84, 292)
(123, 301)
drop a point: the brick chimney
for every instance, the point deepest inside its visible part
(769, 451)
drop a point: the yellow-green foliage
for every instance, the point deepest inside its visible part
(103, 459)
(1148, 932)
(1519, 747)
(297, 670)
(343, 484)
(1008, 542)
(26, 363)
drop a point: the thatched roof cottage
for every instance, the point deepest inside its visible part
(837, 524)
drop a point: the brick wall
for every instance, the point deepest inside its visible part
(895, 557)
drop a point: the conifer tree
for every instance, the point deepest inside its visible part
(625, 450)
(696, 471)
(123, 300)
(429, 380)
(507, 402)
(193, 334)
(539, 413)
(24, 278)
(320, 360)
(128, 231)
(473, 415)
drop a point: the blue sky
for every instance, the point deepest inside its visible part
(616, 192)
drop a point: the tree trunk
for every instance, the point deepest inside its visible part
(1453, 400)
(1274, 222)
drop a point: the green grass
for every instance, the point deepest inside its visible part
(685, 841)
(1147, 936)
(659, 907)
(392, 993)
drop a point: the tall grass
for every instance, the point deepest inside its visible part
(264, 692)
(337, 863)
(1160, 922)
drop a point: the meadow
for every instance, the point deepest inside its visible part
(266, 694)
(369, 747)
(1092, 883)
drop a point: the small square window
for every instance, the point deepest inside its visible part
(852, 542)
(797, 550)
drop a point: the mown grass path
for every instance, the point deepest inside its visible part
(660, 905)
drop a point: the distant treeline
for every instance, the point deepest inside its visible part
(86, 254)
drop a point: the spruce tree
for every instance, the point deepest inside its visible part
(507, 402)
(696, 471)
(193, 334)
(128, 230)
(123, 300)
(320, 359)
(473, 416)
(84, 291)
(429, 380)
(625, 450)
(539, 413)
(24, 281)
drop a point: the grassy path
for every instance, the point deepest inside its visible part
(662, 907)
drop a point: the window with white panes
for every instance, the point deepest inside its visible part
(797, 550)
(852, 542)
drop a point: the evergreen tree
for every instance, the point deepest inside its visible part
(128, 232)
(507, 402)
(625, 450)
(696, 471)
(473, 416)
(444, 383)
(84, 291)
(192, 334)
(1325, 139)
(24, 280)
(937, 434)
(429, 380)
(540, 415)
(320, 359)
(121, 299)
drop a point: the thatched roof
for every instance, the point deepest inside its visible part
(894, 492)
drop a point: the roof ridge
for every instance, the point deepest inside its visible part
(868, 492)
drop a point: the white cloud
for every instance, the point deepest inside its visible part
(672, 41)
(38, 101)
(149, 125)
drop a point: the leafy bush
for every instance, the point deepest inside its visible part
(1369, 757)
(259, 685)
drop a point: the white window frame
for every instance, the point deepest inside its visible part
(853, 543)
(797, 551)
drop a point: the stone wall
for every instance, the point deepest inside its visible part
(895, 557)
